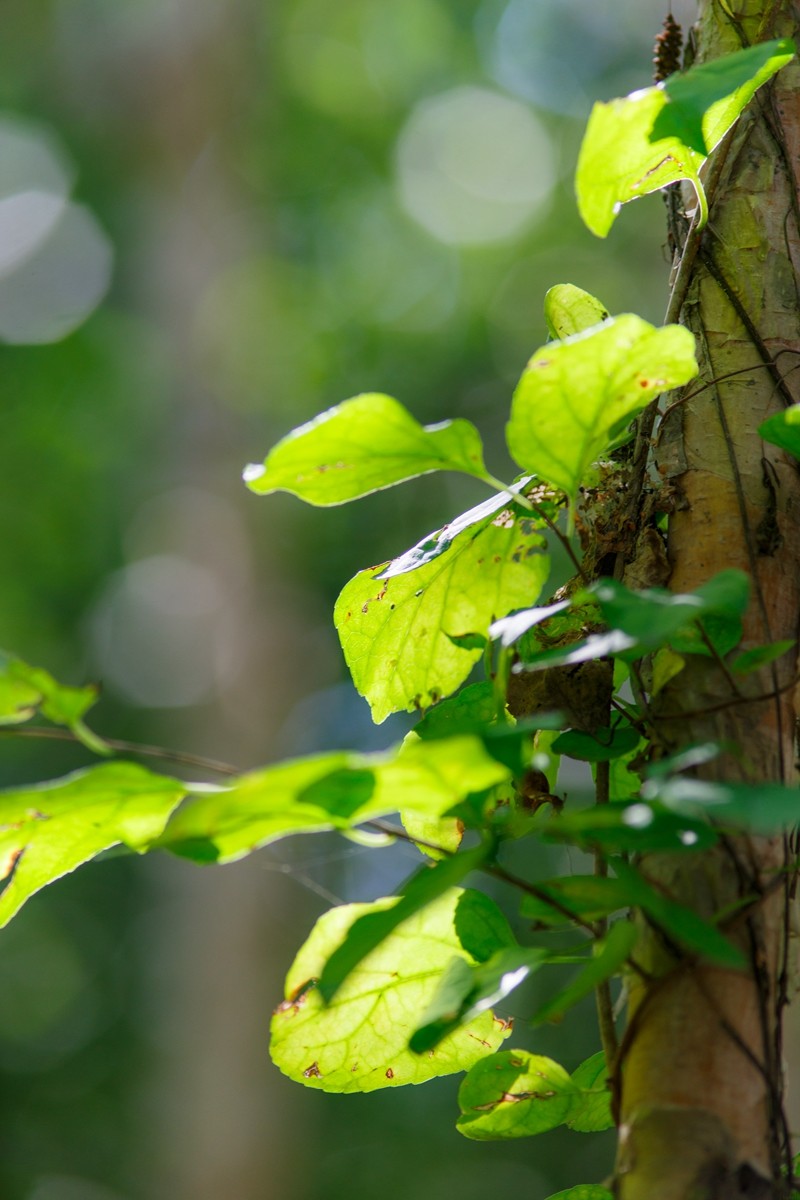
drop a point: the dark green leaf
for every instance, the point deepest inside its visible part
(588, 897)
(636, 827)
(363, 445)
(760, 656)
(704, 102)
(760, 807)
(610, 954)
(470, 710)
(600, 746)
(482, 927)
(584, 1191)
(680, 923)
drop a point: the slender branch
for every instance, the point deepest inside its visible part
(124, 747)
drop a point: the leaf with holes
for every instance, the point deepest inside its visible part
(395, 622)
(576, 396)
(48, 830)
(361, 446)
(360, 1041)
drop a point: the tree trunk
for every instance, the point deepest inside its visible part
(700, 1072)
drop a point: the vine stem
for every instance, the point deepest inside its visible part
(602, 993)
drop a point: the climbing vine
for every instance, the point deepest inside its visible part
(508, 677)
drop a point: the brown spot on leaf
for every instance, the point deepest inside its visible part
(389, 1073)
(312, 1072)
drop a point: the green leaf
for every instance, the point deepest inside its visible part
(471, 709)
(611, 953)
(575, 396)
(49, 829)
(396, 622)
(680, 923)
(759, 807)
(513, 1094)
(508, 630)
(588, 897)
(569, 309)
(420, 890)
(658, 135)
(24, 690)
(465, 991)
(361, 446)
(360, 1041)
(783, 429)
(637, 828)
(436, 837)
(482, 927)
(329, 791)
(600, 746)
(760, 656)
(704, 102)
(591, 1109)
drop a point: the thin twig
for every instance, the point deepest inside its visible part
(176, 756)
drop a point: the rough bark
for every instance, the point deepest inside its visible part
(700, 1071)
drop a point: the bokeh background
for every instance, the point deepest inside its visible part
(217, 218)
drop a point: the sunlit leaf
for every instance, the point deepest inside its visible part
(658, 135)
(591, 1109)
(436, 837)
(26, 690)
(575, 396)
(363, 445)
(329, 791)
(360, 1041)
(569, 309)
(367, 933)
(510, 629)
(48, 830)
(513, 1094)
(394, 621)
(611, 953)
(465, 991)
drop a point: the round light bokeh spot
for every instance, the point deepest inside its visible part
(474, 166)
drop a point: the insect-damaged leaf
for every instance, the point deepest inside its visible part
(658, 135)
(514, 1094)
(396, 621)
(329, 791)
(363, 445)
(577, 395)
(48, 830)
(360, 1041)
